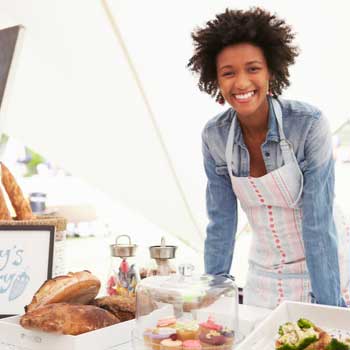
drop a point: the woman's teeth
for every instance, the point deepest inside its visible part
(245, 96)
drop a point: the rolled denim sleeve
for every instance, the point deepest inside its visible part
(221, 206)
(319, 232)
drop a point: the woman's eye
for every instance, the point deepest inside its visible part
(226, 74)
(254, 69)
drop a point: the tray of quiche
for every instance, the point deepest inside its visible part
(299, 326)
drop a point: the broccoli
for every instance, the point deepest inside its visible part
(304, 323)
(306, 342)
(302, 345)
(337, 345)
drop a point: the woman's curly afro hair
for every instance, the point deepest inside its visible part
(255, 26)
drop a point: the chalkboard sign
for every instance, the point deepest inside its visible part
(26, 254)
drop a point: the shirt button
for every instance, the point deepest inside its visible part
(267, 154)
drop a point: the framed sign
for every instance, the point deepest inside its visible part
(26, 256)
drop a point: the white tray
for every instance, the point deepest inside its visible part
(335, 320)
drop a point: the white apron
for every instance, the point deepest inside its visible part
(277, 265)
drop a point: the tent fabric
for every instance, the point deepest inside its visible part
(75, 99)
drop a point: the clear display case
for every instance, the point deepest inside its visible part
(186, 311)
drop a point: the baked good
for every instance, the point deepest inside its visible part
(169, 344)
(213, 340)
(209, 325)
(74, 288)
(67, 318)
(19, 203)
(302, 334)
(229, 335)
(160, 334)
(122, 306)
(167, 322)
(4, 212)
(187, 330)
(192, 345)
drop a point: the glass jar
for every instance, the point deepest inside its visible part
(124, 274)
(163, 254)
(186, 311)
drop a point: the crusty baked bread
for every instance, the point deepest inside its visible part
(19, 203)
(4, 212)
(74, 288)
(123, 307)
(68, 318)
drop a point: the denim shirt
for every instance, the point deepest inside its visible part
(308, 131)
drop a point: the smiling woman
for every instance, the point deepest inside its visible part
(275, 157)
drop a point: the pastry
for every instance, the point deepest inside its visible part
(192, 345)
(67, 318)
(187, 330)
(167, 322)
(301, 335)
(169, 344)
(74, 288)
(160, 334)
(211, 339)
(147, 337)
(123, 307)
(229, 335)
(4, 212)
(19, 203)
(209, 325)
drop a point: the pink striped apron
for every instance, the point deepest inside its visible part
(277, 266)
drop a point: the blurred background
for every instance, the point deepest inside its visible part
(101, 121)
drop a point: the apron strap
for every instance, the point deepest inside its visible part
(286, 147)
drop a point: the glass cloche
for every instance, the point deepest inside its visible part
(186, 311)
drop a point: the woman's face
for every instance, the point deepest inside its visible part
(243, 79)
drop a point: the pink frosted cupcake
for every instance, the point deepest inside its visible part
(191, 345)
(209, 325)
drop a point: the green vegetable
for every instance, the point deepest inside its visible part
(304, 323)
(287, 347)
(306, 342)
(280, 331)
(337, 345)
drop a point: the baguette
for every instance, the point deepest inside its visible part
(4, 212)
(19, 203)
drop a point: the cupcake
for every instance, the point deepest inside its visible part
(229, 334)
(208, 326)
(212, 339)
(167, 322)
(147, 337)
(169, 344)
(160, 334)
(187, 330)
(191, 345)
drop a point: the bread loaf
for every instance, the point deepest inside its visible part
(68, 318)
(74, 288)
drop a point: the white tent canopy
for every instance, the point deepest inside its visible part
(123, 112)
